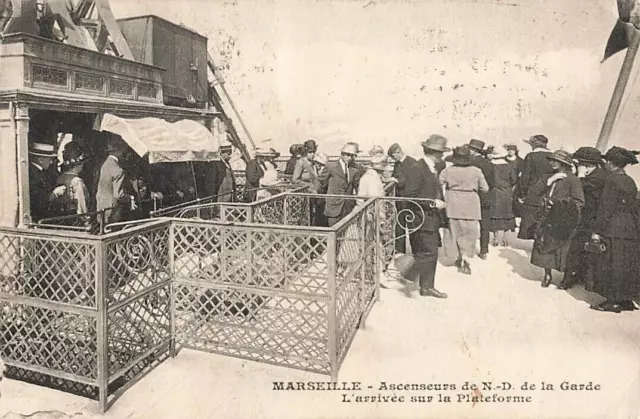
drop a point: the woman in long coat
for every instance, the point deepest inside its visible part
(501, 196)
(462, 184)
(563, 198)
(592, 176)
(617, 226)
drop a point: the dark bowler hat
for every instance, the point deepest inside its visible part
(621, 156)
(436, 143)
(588, 155)
(562, 156)
(537, 141)
(461, 156)
(476, 145)
(310, 146)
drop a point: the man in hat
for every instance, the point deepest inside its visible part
(337, 178)
(425, 240)
(404, 170)
(115, 193)
(592, 176)
(476, 148)
(42, 179)
(227, 180)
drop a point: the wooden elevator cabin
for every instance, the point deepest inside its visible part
(87, 67)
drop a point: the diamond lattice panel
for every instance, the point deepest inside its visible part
(278, 329)
(47, 269)
(137, 327)
(49, 339)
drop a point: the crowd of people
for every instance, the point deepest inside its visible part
(580, 209)
(115, 181)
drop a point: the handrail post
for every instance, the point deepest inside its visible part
(102, 306)
(172, 289)
(332, 326)
(380, 247)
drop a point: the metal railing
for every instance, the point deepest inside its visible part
(92, 313)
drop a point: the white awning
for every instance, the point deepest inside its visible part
(162, 141)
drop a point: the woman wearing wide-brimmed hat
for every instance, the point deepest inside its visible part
(562, 198)
(75, 200)
(592, 175)
(462, 185)
(617, 226)
(501, 196)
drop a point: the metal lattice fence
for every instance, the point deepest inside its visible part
(91, 314)
(83, 313)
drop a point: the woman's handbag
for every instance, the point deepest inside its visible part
(595, 246)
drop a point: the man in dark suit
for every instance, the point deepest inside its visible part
(476, 147)
(337, 178)
(227, 189)
(42, 180)
(402, 171)
(425, 240)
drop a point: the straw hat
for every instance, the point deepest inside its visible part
(375, 150)
(321, 158)
(561, 156)
(499, 152)
(42, 150)
(350, 148)
(379, 162)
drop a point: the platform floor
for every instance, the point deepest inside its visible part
(497, 325)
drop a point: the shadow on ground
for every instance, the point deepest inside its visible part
(520, 264)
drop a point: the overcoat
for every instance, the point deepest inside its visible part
(462, 185)
(551, 250)
(617, 221)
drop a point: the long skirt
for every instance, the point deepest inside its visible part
(465, 234)
(550, 253)
(502, 224)
(616, 270)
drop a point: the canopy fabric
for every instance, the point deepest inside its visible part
(162, 141)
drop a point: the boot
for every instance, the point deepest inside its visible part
(546, 281)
